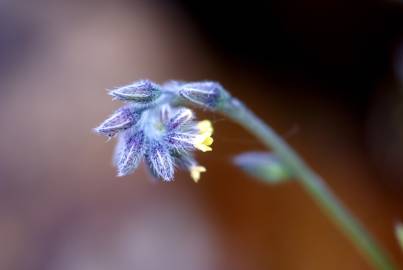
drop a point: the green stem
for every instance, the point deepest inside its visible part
(312, 182)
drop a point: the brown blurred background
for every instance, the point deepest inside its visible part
(327, 75)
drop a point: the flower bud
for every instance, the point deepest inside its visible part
(129, 153)
(143, 91)
(264, 166)
(120, 120)
(206, 94)
(160, 161)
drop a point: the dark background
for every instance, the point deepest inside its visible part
(346, 47)
(327, 75)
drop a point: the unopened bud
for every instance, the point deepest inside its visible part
(143, 91)
(206, 94)
(264, 166)
(120, 120)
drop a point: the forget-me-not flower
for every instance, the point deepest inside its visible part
(154, 127)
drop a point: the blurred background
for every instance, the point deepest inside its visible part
(327, 75)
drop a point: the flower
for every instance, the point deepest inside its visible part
(162, 134)
(195, 172)
(129, 152)
(142, 91)
(120, 120)
(187, 162)
(205, 94)
(203, 140)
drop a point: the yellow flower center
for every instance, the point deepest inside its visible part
(203, 141)
(195, 172)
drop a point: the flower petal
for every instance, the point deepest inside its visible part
(186, 161)
(130, 153)
(181, 141)
(195, 172)
(160, 161)
(204, 148)
(205, 127)
(180, 117)
(118, 152)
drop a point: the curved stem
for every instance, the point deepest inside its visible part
(312, 182)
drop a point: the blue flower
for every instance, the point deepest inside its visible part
(129, 152)
(205, 94)
(161, 133)
(120, 120)
(143, 91)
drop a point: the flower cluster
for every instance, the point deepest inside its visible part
(153, 127)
